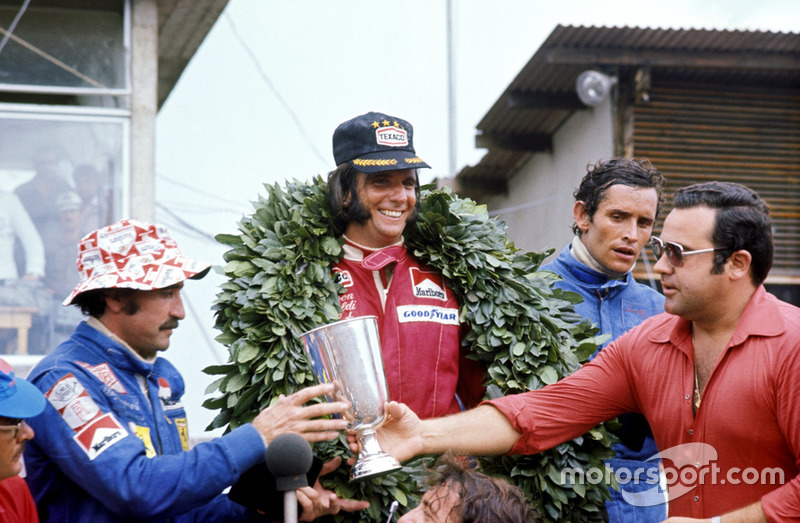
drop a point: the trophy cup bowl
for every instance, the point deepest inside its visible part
(348, 354)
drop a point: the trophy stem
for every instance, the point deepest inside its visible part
(372, 461)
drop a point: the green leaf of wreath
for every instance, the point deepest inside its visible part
(279, 285)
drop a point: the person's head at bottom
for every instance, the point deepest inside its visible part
(19, 400)
(458, 493)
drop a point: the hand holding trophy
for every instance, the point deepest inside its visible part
(348, 353)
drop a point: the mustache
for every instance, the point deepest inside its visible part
(169, 325)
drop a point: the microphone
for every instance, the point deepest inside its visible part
(289, 458)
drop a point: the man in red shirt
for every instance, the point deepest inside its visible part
(715, 375)
(19, 400)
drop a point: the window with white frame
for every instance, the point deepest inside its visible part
(64, 168)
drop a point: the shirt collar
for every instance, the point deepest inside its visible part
(761, 317)
(357, 252)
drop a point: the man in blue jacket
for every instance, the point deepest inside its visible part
(615, 208)
(112, 443)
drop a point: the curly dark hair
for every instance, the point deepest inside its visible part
(633, 172)
(93, 302)
(341, 183)
(742, 223)
(481, 498)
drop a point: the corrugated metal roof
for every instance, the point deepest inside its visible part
(543, 96)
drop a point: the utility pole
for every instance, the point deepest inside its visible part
(451, 92)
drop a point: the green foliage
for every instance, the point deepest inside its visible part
(525, 331)
(280, 285)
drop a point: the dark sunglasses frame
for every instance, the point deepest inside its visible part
(675, 251)
(15, 426)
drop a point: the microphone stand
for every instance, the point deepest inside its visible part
(289, 459)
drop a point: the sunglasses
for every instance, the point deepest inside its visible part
(674, 251)
(14, 427)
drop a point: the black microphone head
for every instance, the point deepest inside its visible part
(289, 458)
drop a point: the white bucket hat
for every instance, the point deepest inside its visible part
(132, 255)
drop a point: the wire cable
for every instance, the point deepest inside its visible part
(269, 83)
(194, 189)
(199, 232)
(52, 59)
(14, 24)
(533, 203)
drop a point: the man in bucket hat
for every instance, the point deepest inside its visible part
(374, 193)
(19, 401)
(113, 438)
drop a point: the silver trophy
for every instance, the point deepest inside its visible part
(348, 353)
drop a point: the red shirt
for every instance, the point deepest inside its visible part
(420, 331)
(16, 502)
(744, 443)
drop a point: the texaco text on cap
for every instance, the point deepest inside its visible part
(375, 142)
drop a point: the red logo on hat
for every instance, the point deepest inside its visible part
(392, 136)
(6, 369)
(133, 255)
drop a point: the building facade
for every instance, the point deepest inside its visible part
(81, 82)
(700, 104)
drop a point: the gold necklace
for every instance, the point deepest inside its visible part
(696, 392)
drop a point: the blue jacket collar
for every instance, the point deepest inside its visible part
(586, 276)
(120, 356)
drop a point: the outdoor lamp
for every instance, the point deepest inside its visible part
(593, 87)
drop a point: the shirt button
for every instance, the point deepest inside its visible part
(691, 432)
(687, 396)
(697, 498)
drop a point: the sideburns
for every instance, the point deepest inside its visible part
(130, 307)
(128, 299)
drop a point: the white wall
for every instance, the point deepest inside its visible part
(538, 206)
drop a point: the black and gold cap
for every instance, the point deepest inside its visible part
(375, 142)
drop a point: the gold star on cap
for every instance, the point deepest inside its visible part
(375, 125)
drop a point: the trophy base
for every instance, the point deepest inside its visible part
(373, 465)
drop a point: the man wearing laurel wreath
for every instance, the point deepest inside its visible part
(374, 193)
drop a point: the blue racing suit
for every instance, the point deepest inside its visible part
(616, 306)
(113, 443)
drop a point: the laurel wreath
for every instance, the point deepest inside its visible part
(279, 285)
